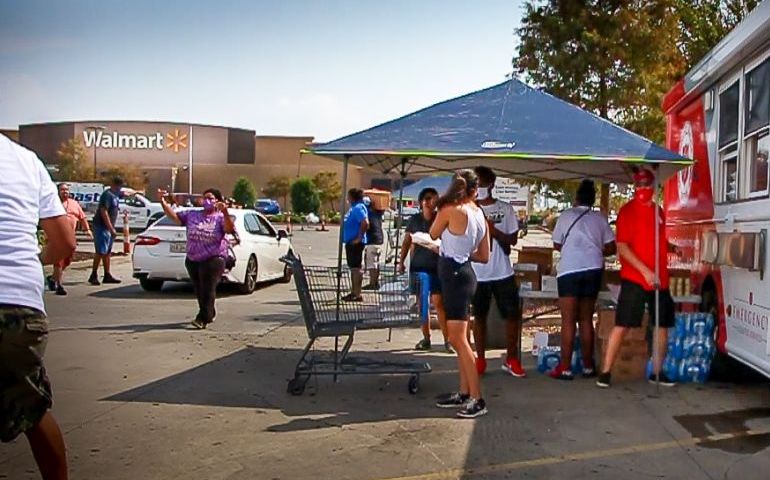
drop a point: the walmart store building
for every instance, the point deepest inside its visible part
(219, 154)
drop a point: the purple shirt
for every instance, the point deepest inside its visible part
(205, 234)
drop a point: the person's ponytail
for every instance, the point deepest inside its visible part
(464, 184)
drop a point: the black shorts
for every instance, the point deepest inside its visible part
(458, 282)
(506, 294)
(354, 253)
(433, 281)
(585, 284)
(632, 301)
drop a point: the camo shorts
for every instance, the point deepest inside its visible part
(25, 392)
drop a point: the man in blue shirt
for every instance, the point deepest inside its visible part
(354, 237)
(104, 229)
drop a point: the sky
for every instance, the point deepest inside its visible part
(317, 68)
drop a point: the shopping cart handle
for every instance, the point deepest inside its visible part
(290, 259)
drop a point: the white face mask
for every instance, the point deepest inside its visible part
(482, 193)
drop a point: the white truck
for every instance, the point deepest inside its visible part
(141, 211)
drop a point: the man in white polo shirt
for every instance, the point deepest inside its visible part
(496, 278)
(28, 196)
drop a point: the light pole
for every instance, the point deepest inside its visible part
(95, 128)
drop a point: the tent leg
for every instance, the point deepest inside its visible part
(656, 333)
(402, 176)
(341, 237)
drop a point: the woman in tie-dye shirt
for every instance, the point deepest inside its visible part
(206, 248)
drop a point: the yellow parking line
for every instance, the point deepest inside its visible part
(590, 455)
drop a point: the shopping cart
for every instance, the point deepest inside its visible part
(326, 315)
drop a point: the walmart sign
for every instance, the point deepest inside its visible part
(174, 140)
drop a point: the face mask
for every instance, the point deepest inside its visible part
(208, 204)
(643, 194)
(482, 193)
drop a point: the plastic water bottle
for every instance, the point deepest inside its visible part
(576, 363)
(693, 370)
(700, 325)
(682, 325)
(548, 358)
(671, 368)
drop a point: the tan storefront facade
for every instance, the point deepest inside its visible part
(165, 151)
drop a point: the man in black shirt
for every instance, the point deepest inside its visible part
(424, 260)
(375, 237)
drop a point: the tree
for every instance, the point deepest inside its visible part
(616, 59)
(279, 187)
(329, 189)
(244, 192)
(703, 23)
(130, 173)
(304, 196)
(71, 162)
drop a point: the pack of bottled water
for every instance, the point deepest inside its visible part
(548, 358)
(690, 348)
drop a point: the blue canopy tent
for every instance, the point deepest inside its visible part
(516, 130)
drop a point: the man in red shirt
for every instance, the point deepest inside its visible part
(636, 250)
(75, 215)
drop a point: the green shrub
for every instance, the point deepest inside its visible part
(304, 197)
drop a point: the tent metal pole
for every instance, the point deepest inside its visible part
(402, 175)
(341, 235)
(656, 333)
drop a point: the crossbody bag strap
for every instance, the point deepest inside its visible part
(566, 235)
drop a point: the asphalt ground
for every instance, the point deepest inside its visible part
(141, 396)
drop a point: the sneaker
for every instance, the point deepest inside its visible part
(93, 280)
(453, 400)
(448, 348)
(198, 325)
(513, 366)
(474, 408)
(481, 365)
(423, 345)
(110, 279)
(352, 298)
(664, 380)
(604, 380)
(51, 284)
(371, 286)
(560, 373)
(589, 373)
(60, 290)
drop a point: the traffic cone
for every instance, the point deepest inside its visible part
(126, 235)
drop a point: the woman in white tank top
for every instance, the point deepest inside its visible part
(462, 227)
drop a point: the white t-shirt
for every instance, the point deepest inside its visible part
(504, 218)
(27, 194)
(583, 249)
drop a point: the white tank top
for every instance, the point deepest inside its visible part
(460, 247)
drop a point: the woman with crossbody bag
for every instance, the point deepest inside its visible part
(584, 238)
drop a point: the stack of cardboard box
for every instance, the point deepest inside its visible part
(535, 262)
(631, 362)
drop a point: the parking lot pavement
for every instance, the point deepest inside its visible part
(141, 396)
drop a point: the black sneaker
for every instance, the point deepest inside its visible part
(453, 400)
(604, 380)
(474, 408)
(51, 284)
(664, 380)
(93, 279)
(198, 325)
(60, 290)
(423, 345)
(589, 372)
(371, 287)
(110, 279)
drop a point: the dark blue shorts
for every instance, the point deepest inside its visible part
(103, 241)
(585, 284)
(435, 284)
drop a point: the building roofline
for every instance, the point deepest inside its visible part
(66, 122)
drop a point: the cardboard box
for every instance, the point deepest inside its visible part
(606, 322)
(548, 283)
(539, 255)
(380, 198)
(631, 362)
(533, 278)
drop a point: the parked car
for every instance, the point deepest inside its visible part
(160, 251)
(267, 206)
(141, 212)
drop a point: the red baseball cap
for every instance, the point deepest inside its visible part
(643, 177)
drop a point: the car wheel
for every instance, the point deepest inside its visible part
(250, 280)
(150, 285)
